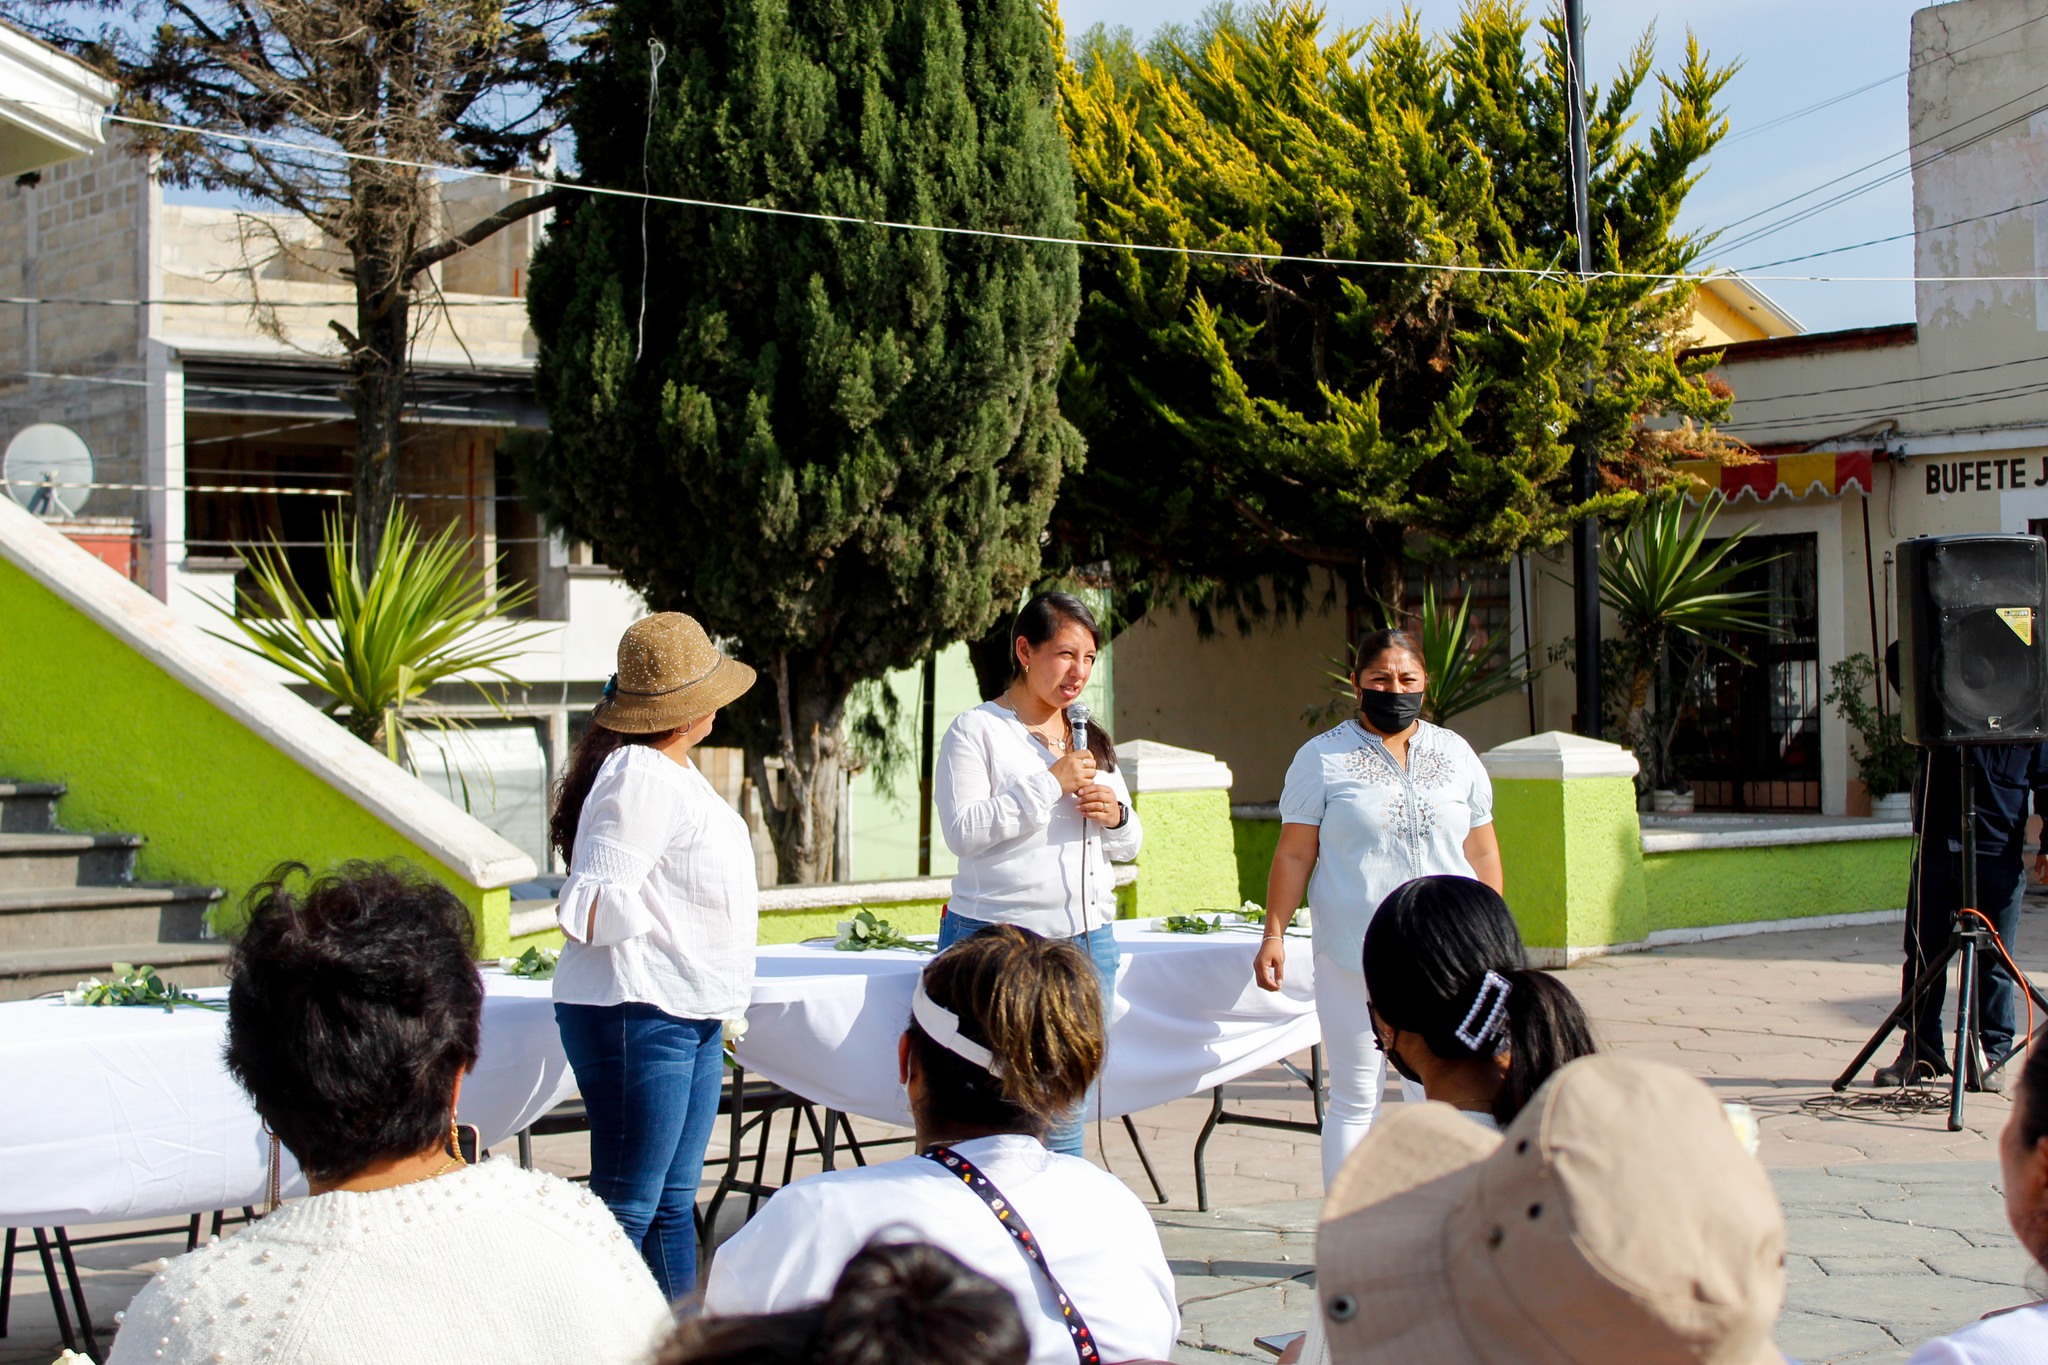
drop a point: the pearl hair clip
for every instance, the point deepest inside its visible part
(942, 1026)
(1492, 1003)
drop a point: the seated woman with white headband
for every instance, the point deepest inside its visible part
(1005, 1037)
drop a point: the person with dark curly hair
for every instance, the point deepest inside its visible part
(354, 1011)
(895, 1301)
(1004, 1036)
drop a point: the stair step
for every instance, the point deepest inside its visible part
(54, 917)
(29, 807)
(51, 859)
(25, 973)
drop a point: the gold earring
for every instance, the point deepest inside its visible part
(454, 1138)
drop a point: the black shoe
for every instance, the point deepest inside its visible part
(1908, 1069)
(1995, 1077)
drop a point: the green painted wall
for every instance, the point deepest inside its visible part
(1571, 853)
(1702, 887)
(145, 754)
(1253, 843)
(1188, 862)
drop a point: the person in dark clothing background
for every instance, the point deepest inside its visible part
(2004, 775)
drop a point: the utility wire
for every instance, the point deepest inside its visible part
(992, 234)
(1781, 120)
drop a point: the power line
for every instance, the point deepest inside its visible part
(991, 234)
(1918, 378)
(1832, 100)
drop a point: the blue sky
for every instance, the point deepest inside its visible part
(1794, 53)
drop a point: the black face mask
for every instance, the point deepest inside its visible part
(1390, 712)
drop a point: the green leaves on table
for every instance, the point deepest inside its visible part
(866, 932)
(134, 985)
(535, 964)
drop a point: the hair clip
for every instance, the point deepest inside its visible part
(942, 1026)
(1492, 1003)
(611, 687)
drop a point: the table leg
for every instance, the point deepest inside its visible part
(1145, 1159)
(85, 1327)
(50, 1282)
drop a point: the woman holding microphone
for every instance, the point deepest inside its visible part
(1368, 805)
(1031, 803)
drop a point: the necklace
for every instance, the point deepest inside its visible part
(1058, 743)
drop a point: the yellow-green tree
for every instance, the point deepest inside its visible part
(1269, 417)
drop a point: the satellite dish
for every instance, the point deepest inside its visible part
(48, 470)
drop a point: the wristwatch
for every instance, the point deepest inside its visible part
(1123, 816)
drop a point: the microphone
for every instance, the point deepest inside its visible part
(1077, 717)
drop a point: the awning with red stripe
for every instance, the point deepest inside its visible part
(1829, 473)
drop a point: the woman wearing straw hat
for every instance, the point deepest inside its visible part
(660, 912)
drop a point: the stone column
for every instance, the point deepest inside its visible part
(1189, 859)
(1565, 811)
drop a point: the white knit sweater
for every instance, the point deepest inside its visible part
(490, 1263)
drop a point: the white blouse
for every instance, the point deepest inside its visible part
(1094, 1233)
(661, 906)
(2018, 1337)
(1381, 824)
(1018, 839)
(490, 1263)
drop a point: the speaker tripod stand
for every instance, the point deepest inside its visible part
(1969, 935)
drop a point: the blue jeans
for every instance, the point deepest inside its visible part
(650, 1083)
(1101, 948)
(1933, 899)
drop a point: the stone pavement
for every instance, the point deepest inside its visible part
(1897, 1230)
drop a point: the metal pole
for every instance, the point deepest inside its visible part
(929, 722)
(1586, 534)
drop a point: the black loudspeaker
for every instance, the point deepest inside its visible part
(1973, 651)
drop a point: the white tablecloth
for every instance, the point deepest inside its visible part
(114, 1114)
(824, 1023)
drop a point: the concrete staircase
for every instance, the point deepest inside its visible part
(70, 908)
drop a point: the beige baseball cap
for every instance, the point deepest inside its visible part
(1618, 1221)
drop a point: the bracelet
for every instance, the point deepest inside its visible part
(1281, 934)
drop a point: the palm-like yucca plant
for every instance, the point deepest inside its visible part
(1669, 588)
(1464, 671)
(420, 616)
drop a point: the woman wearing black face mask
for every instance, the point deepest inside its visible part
(1373, 803)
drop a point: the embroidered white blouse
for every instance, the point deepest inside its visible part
(1381, 824)
(661, 905)
(1018, 839)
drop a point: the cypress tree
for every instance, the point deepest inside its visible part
(836, 444)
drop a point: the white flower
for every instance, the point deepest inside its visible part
(845, 932)
(1251, 908)
(735, 1029)
(506, 964)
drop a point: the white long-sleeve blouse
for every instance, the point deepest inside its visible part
(1018, 838)
(661, 906)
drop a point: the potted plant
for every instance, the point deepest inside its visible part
(1886, 760)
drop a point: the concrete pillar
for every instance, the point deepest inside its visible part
(1564, 809)
(1189, 860)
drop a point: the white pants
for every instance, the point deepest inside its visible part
(1356, 1065)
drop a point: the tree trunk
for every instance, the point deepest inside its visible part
(803, 808)
(377, 365)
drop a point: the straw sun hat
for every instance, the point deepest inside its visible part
(670, 675)
(1618, 1221)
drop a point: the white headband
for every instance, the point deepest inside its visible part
(942, 1026)
(1491, 1003)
